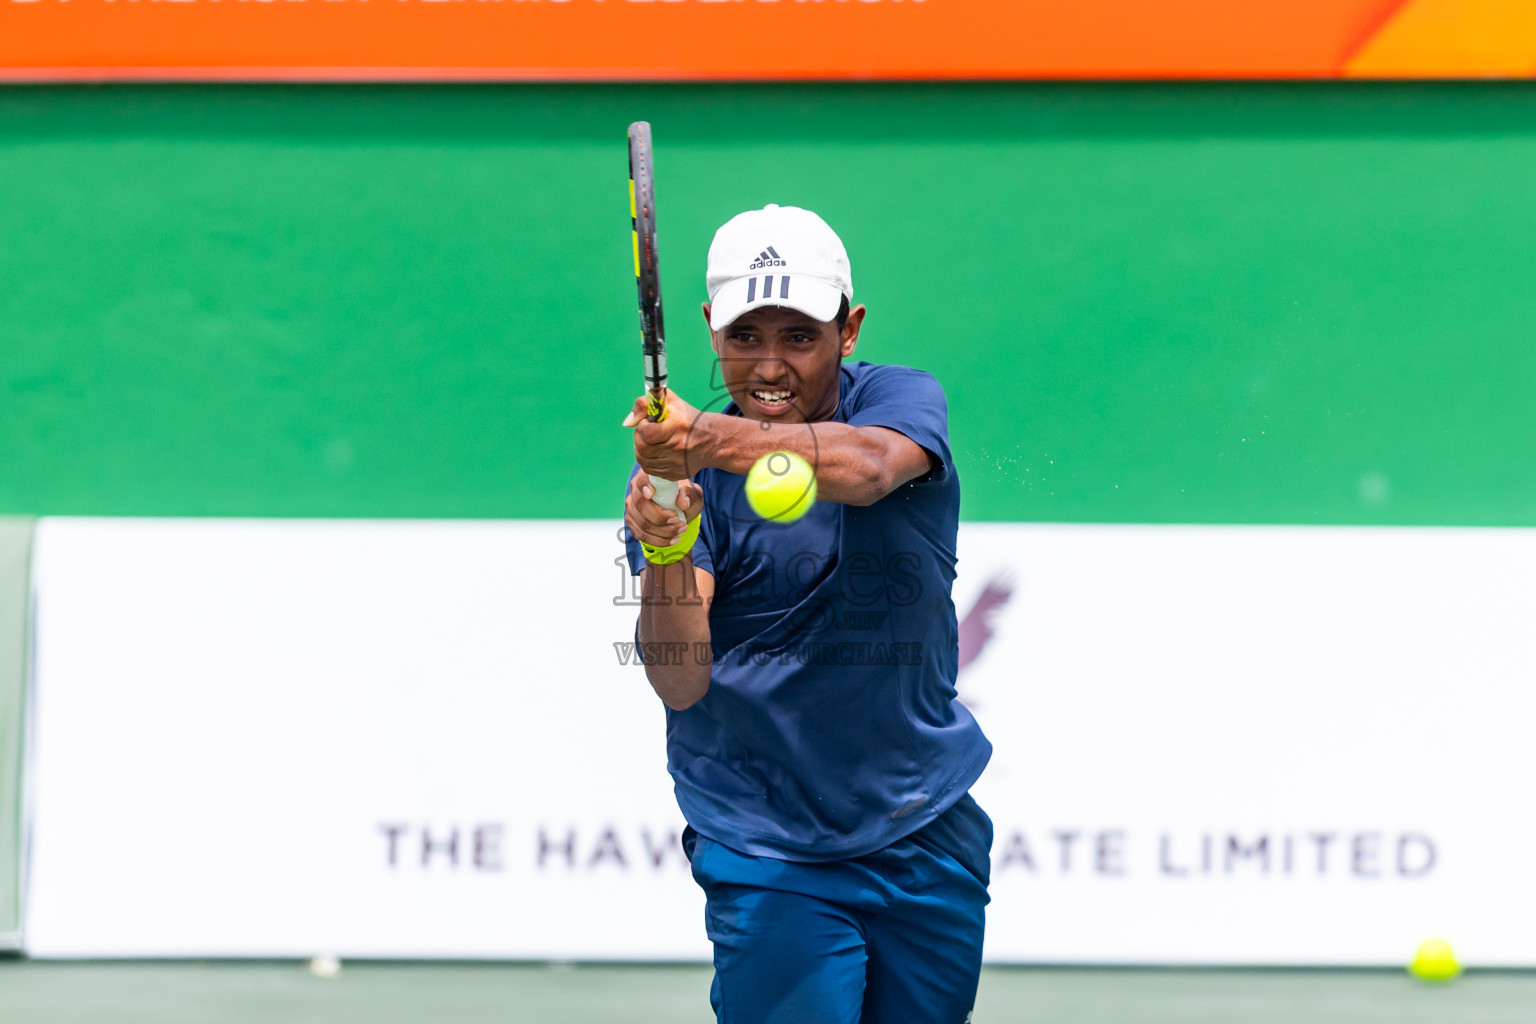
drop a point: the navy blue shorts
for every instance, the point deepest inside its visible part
(893, 937)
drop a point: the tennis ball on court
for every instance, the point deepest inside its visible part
(324, 966)
(1434, 961)
(781, 486)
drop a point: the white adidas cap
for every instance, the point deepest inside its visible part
(777, 256)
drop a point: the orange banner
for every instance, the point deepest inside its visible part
(708, 39)
(1453, 39)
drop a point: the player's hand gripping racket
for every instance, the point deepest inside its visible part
(642, 213)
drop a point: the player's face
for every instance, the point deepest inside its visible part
(779, 364)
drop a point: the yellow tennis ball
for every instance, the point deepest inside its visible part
(1434, 961)
(781, 486)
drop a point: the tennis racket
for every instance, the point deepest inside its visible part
(653, 344)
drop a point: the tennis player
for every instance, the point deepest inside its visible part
(814, 740)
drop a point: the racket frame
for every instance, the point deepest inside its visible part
(653, 344)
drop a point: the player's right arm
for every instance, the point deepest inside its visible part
(674, 601)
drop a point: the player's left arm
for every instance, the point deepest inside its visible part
(855, 465)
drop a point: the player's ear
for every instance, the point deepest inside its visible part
(850, 338)
(714, 342)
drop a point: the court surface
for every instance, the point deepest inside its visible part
(258, 993)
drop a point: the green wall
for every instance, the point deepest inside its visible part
(1296, 303)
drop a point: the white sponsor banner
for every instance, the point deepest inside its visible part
(1257, 745)
(1213, 744)
(367, 738)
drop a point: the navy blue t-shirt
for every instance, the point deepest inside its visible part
(830, 728)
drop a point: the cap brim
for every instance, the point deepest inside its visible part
(810, 295)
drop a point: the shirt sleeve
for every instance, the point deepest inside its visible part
(701, 554)
(910, 402)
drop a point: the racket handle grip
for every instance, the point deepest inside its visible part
(666, 493)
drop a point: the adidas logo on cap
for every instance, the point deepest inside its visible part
(769, 257)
